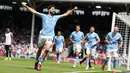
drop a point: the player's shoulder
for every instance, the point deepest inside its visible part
(95, 33)
(62, 36)
(110, 33)
(119, 34)
(81, 32)
(55, 36)
(73, 32)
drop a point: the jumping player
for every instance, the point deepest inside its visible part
(47, 32)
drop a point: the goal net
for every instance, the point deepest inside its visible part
(122, 21)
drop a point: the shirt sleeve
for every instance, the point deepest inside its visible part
(55, 38)
(121, 38)
(71, 35)
(107, 37)
(86, 37)
(82, 35)
(41, 15)
(63, 39)
(57, 17)
(97, 37)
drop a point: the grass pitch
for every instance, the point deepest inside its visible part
(27, 66)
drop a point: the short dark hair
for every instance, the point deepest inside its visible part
(49, 7)
(77, 25)
(92, 27)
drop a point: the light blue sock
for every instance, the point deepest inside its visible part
(115, 63)
(87, 62)
(59, 58)
(76, 60)
(41, 60)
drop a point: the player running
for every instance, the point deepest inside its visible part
(91, 39)
(114, 42)
(76, 38)
(8, 43)
(47, 32)
(60, 44)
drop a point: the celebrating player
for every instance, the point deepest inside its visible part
(92, 39)
(47, 33)
(59, 41)
(114, 42)
(8, 42)
(76, 38)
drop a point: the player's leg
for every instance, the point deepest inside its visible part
(44, 55)
(7, 51)
(93, 56)
(78, 49)
(41, 43)
(108, 56)
(47, 49)
(87, 58)
(59, 55)
(115, 60)
(83, 58)
(9, 54)
(37, 56)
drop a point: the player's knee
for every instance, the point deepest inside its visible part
(115, 58)
(87, 55)
(108, 58)
(46, 51)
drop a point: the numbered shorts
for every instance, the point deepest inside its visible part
(42, 40)
(77, 47)
(59, 49)
(111, 53)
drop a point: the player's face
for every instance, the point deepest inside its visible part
(59, 33)
(116, 29)
(8, 30)
(77, 28)
(52, 10)
(92, 29)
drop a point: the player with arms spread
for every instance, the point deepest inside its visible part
(47, 32)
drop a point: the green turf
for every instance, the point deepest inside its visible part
(26, 66)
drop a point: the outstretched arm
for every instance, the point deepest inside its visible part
(69, 12)
(29, 8)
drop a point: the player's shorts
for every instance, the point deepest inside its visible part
(111, 53)
(91, 51)
(59, 49)
(42, 40)
(77, 47)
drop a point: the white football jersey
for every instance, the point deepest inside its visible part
(8, 38)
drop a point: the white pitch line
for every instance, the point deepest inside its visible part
(90, 71)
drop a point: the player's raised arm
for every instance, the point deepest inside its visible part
(30, 9)
(69, 12)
